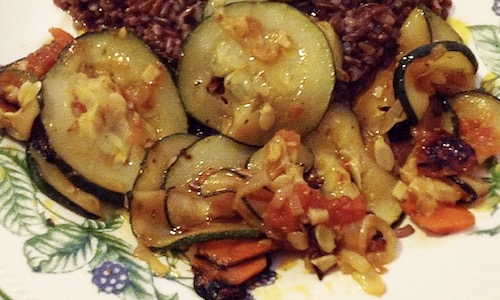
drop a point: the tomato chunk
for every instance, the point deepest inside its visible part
(286, 218)
(40, 61)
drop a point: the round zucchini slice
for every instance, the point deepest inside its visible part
(106, 100)
(252, 68)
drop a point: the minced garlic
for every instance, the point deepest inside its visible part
(19, 123)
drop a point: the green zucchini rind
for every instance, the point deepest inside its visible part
(416, 103)
(159, 158)
(39, 142)
(216, 231)
(54, 185)
(439, 29)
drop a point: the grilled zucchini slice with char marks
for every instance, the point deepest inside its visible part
(106, 100)
(252, 68)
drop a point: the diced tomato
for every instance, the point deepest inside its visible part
(343, 210)
(40, 61)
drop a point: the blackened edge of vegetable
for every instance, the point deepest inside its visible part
(466, 188)
(217, 290)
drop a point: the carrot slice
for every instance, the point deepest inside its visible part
(234, 275)
(445, 219)
(231, 252)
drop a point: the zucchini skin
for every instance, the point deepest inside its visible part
(439, 29)
(217, 152)
(224, 231)
(38, 179)
(473, 196)
(401, 130)
(41, 143)
(159, 158)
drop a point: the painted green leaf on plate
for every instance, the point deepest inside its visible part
(18, 204)
(63, 248)
(487, 41)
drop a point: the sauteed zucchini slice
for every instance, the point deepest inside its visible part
(106, 100)
(251, 69)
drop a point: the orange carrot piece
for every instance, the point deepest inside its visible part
(445, 219)
(231, 252)
(234, 275)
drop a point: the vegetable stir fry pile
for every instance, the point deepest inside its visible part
(239, 150)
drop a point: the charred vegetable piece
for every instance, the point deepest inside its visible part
(445, 155)
(437, 68)
(105, 101)
(251, 69)
(231, 265)
(478, 121)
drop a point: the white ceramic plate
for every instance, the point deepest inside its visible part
(54, 260)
